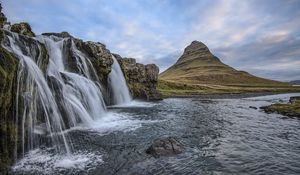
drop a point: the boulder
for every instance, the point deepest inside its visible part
(165, 147)
(252, 107)
(294, 99)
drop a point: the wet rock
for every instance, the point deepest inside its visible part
(252, 107)
(3, 18)
(96, 52)
(61, 35)
(99, 56)
(294, 99)
(8, 128)
(141, 79)
(165, 147)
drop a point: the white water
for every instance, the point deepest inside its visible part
(118, 85)
(40, 161)
(53, 99)
(49, 103)
(37, 96)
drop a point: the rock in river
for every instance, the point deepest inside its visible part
(165, 147)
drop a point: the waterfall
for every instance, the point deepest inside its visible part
(117, 84)
(52, 99)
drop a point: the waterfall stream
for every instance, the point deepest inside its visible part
(51, 98)
(118, 85)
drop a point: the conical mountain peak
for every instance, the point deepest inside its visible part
(196, 45)
(196, 50)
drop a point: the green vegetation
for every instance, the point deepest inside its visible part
(22, 28)
(8, 67)
(169, 88)
(291, 109)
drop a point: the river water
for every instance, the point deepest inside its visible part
(221, 136)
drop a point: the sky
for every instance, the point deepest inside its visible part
(258, 36)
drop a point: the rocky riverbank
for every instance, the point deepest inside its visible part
(291, 109)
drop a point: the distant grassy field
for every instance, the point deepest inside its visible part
(173, 89)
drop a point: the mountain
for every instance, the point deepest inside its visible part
(295, 82)
(198, 71)
(198, 65)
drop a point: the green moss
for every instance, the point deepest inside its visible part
(8, 135)
(1, 35)
(289, 109)
(22, 28)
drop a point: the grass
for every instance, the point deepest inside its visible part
(290, 109)
(171, 88)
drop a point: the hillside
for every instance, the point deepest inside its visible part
(199, 71)
(295, 82)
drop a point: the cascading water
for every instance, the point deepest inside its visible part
(117, 84)
(50, 101)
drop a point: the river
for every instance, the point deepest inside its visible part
(220, 136)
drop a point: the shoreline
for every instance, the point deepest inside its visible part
(229, 95)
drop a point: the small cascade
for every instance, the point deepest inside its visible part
(117, 84)
(50, 97)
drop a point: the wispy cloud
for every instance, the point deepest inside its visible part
(261, 37)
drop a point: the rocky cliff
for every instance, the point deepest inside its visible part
(141, 79)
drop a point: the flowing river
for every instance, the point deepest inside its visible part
(220, 136)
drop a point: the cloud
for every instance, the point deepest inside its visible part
(273, 56)
(245, 34)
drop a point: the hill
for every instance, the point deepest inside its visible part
(295, 82)
(198, 71)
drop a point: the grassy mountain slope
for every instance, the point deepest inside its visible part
(198, 71)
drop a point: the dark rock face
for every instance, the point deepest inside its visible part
(99, 56)
(165, 147)
(141, 79)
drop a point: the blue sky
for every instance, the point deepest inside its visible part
(258, 36)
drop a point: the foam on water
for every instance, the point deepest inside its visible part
(134, 104)
(47, 162)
